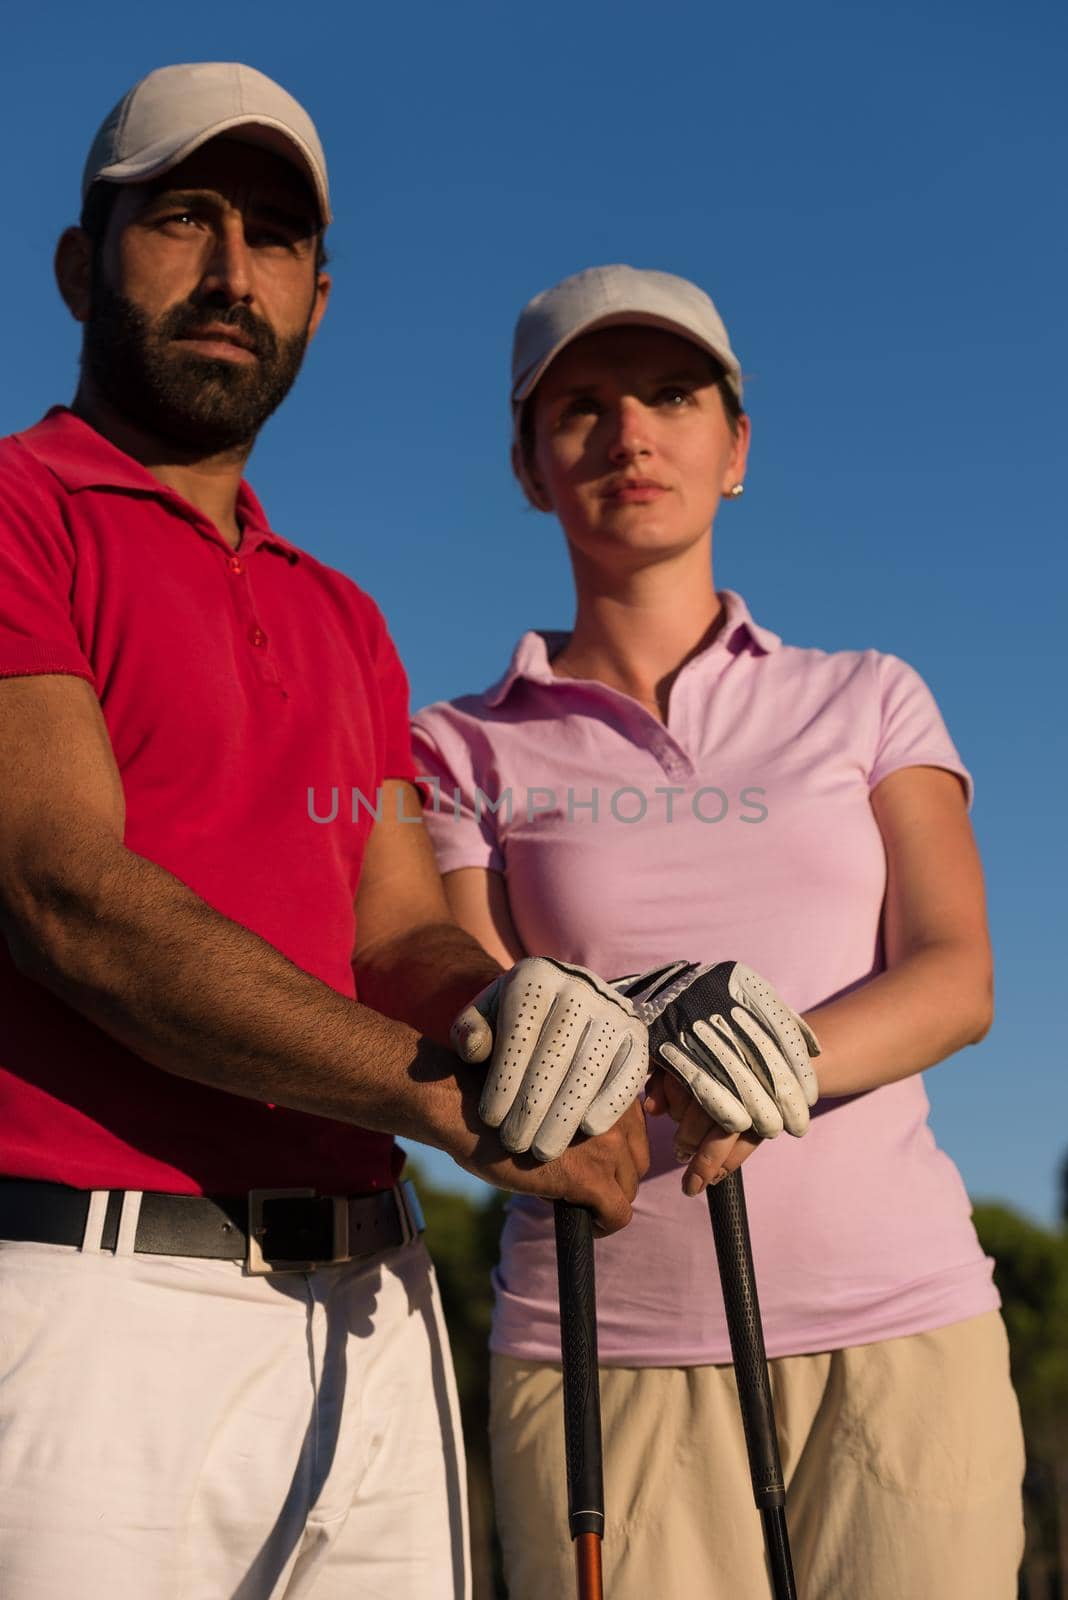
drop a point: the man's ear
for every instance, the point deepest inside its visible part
(529, 484)
(73, 269)
(323, 285)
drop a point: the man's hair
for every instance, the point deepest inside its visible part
(100, 203)
(731, 405)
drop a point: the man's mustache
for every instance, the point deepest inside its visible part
(186, 321)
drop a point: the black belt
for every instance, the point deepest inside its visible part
(275, 1230)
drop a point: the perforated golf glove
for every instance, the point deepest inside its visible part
(736, 1045)
(568, 1052)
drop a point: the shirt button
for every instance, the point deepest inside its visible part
(257, 636)
(234, 564)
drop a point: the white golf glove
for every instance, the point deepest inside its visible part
(568, 1052)
(738, 1047)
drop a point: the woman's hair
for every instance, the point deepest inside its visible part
(732, 406)
(100, 203)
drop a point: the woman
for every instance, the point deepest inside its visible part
(667, 780)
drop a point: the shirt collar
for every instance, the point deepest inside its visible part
(533, 654)
(81, 458)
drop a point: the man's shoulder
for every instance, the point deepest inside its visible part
(30, 494)
(18, 464)
(343, 591)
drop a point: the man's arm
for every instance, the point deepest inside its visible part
(130, 947)
(411, 959)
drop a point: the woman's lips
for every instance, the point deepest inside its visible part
(638, 493)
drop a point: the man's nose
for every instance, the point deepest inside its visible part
(227, 271)
(630, 430)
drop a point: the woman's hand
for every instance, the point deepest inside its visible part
(725, 1033)
(708, 1151)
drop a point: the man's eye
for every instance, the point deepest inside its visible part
(177, 218)
(272, 238)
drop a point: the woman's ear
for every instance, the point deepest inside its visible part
(739, 456)
(528, 483)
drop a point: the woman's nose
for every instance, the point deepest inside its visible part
(630, 431)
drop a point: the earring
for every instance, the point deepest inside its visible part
(737, 490)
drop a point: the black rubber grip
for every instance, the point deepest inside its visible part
(578, 1351)
(730, 1226)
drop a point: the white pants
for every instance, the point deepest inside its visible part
(172, 1429)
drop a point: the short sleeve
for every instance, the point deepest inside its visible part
(37, 560)
(911, 730)
(392, 683)
(457, 814)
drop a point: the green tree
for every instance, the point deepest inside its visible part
(1031, 1272)
(463, 1236)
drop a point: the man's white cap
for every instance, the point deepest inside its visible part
(603, 297)
(175, 110)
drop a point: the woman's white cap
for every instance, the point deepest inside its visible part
(603, 297)
(175, 110)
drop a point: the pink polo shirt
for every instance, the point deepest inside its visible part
(741, 829)
(231, 684)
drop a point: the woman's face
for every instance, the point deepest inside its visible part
(632, 446)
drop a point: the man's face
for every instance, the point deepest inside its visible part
(204, 294)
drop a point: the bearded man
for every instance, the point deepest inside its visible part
(222, 1365)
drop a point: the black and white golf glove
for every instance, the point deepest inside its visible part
(736, 1045)
(568, 1052)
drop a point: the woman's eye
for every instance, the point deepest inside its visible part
(674, 397)
(582, 406)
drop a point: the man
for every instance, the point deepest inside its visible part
(191, 1094)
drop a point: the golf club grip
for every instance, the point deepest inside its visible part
(578, 1350)
(730, 1226)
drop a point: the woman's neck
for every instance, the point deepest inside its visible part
(635, 631)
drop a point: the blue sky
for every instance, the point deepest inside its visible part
(874, 198)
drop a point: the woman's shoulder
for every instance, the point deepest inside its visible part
(867, 671)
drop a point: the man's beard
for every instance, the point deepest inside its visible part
(200, 403)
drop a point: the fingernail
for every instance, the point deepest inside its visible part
(683, 1156)
(718, 1178)
(692, 1185)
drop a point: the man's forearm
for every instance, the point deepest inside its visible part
(426, 977)
(919, 1011)
(195, 994)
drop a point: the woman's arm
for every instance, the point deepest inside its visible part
(937, 992)
(478, 900)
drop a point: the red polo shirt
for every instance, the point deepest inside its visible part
(231, 684)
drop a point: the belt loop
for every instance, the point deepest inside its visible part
(129, 1217)
(94, 1221)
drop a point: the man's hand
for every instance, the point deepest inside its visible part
(568, 1052)
(600, 1173)
(733, 1041)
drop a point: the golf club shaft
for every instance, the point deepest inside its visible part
(582, 1401)
(730, 1225)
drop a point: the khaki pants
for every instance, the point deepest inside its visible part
(903, 1463)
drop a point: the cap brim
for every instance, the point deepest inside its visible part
(265, 132)
(617, 319)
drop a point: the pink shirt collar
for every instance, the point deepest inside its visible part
(532, 655)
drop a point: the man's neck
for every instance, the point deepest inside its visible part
(210, 483)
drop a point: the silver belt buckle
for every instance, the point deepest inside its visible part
(255, 1261)
(409, 1211)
